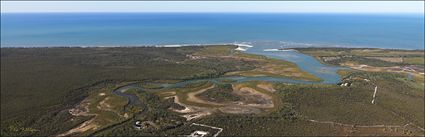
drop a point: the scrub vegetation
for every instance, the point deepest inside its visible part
(172, 91)
(337, 110)
(366, 56)
(409, 62)
(40, 83)
(220, 93)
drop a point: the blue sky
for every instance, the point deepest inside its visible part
(215, 6)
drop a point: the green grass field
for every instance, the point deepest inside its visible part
(415, 60)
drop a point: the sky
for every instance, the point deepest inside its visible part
(215, 6)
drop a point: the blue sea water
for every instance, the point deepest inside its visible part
(404, 31)
(264, 31)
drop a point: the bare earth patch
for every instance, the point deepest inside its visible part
(93, 107)
(268, 87)
(191, 112)
(396, 69)
(192, 97)
(88, 125)
(253, 102)
(82, 110)
(255, 98)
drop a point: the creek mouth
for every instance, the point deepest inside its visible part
(307, 63)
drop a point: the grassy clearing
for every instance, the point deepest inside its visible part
(250, 56)
(419, 78)
(414, 60)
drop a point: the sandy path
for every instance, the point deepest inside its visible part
(267, 87)
(187, 108)
(192, 97)
(191, 112)
(88, 125)
(83, 110)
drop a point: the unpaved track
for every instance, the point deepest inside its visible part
(267, 87)
(85, 126)
(371, 126)
(83, 110)
(88, 125)
(192, 97)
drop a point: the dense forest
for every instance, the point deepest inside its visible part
(37, 84)
(40, 85)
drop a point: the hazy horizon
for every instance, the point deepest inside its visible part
(374, 7)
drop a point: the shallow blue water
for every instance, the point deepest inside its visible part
(133, 29)
(307, 63)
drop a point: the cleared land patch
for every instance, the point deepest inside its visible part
(208, 98)
(105, 109)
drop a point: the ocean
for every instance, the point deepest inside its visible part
(399, 31)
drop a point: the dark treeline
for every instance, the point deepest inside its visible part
(37, 84)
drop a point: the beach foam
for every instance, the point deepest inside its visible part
(240, 49)
(243, 45)
(175, 45)
(278, 50)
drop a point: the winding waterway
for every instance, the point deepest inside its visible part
(307, 63)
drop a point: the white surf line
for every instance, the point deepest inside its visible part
(216, 134)
(240, 49)
(243, 45)
(278, 50)
(374, 94)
